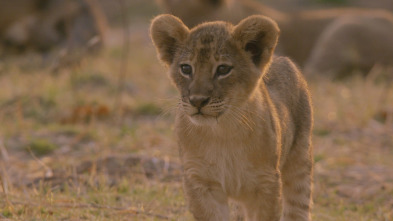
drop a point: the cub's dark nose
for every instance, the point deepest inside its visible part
(199, 101)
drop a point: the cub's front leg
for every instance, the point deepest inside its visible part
(263, 202)
(206, 200)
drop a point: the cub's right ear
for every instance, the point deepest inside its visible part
(167, 32)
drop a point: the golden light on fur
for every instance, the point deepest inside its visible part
(246, 136)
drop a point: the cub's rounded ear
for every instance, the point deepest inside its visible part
(167, 32)
(258, 36)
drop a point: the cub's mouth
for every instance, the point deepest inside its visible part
(201, 119)
(203, 113)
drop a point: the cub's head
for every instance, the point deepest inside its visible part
(215, 66)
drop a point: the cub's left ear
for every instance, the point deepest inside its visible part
(258, 36)
(167, 33)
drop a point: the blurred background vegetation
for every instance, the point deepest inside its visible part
(86, 119)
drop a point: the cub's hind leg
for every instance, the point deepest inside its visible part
(297, 182)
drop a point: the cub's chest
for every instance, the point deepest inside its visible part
(226, 164)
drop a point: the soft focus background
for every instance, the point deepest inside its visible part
(86, 119)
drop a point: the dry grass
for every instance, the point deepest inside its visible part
(64, 157)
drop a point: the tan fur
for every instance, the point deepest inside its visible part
(299, 30)
(250, 138)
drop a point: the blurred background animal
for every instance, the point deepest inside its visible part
(44, 24)
(352, 45)
(300, 29)
(294, 5)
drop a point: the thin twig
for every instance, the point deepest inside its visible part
(383, 99)
(3, 180)
(3, 151)
(48, 170)
(99, 19)
(3, 172)
(124, 61)
(94, 206)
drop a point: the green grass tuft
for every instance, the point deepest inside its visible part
(148, 109)
(41, 147)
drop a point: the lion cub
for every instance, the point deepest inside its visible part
(244, 119)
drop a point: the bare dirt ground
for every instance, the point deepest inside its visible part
(75, 147)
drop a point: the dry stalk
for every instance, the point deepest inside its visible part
(3, 152)
(388, 84)
(3, 172)
(124, 62)
(48, 170)
(376, 71)
(99, 17)
(383, 98)
(373, 74)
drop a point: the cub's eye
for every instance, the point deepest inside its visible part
(186, 70)
(223, 70)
